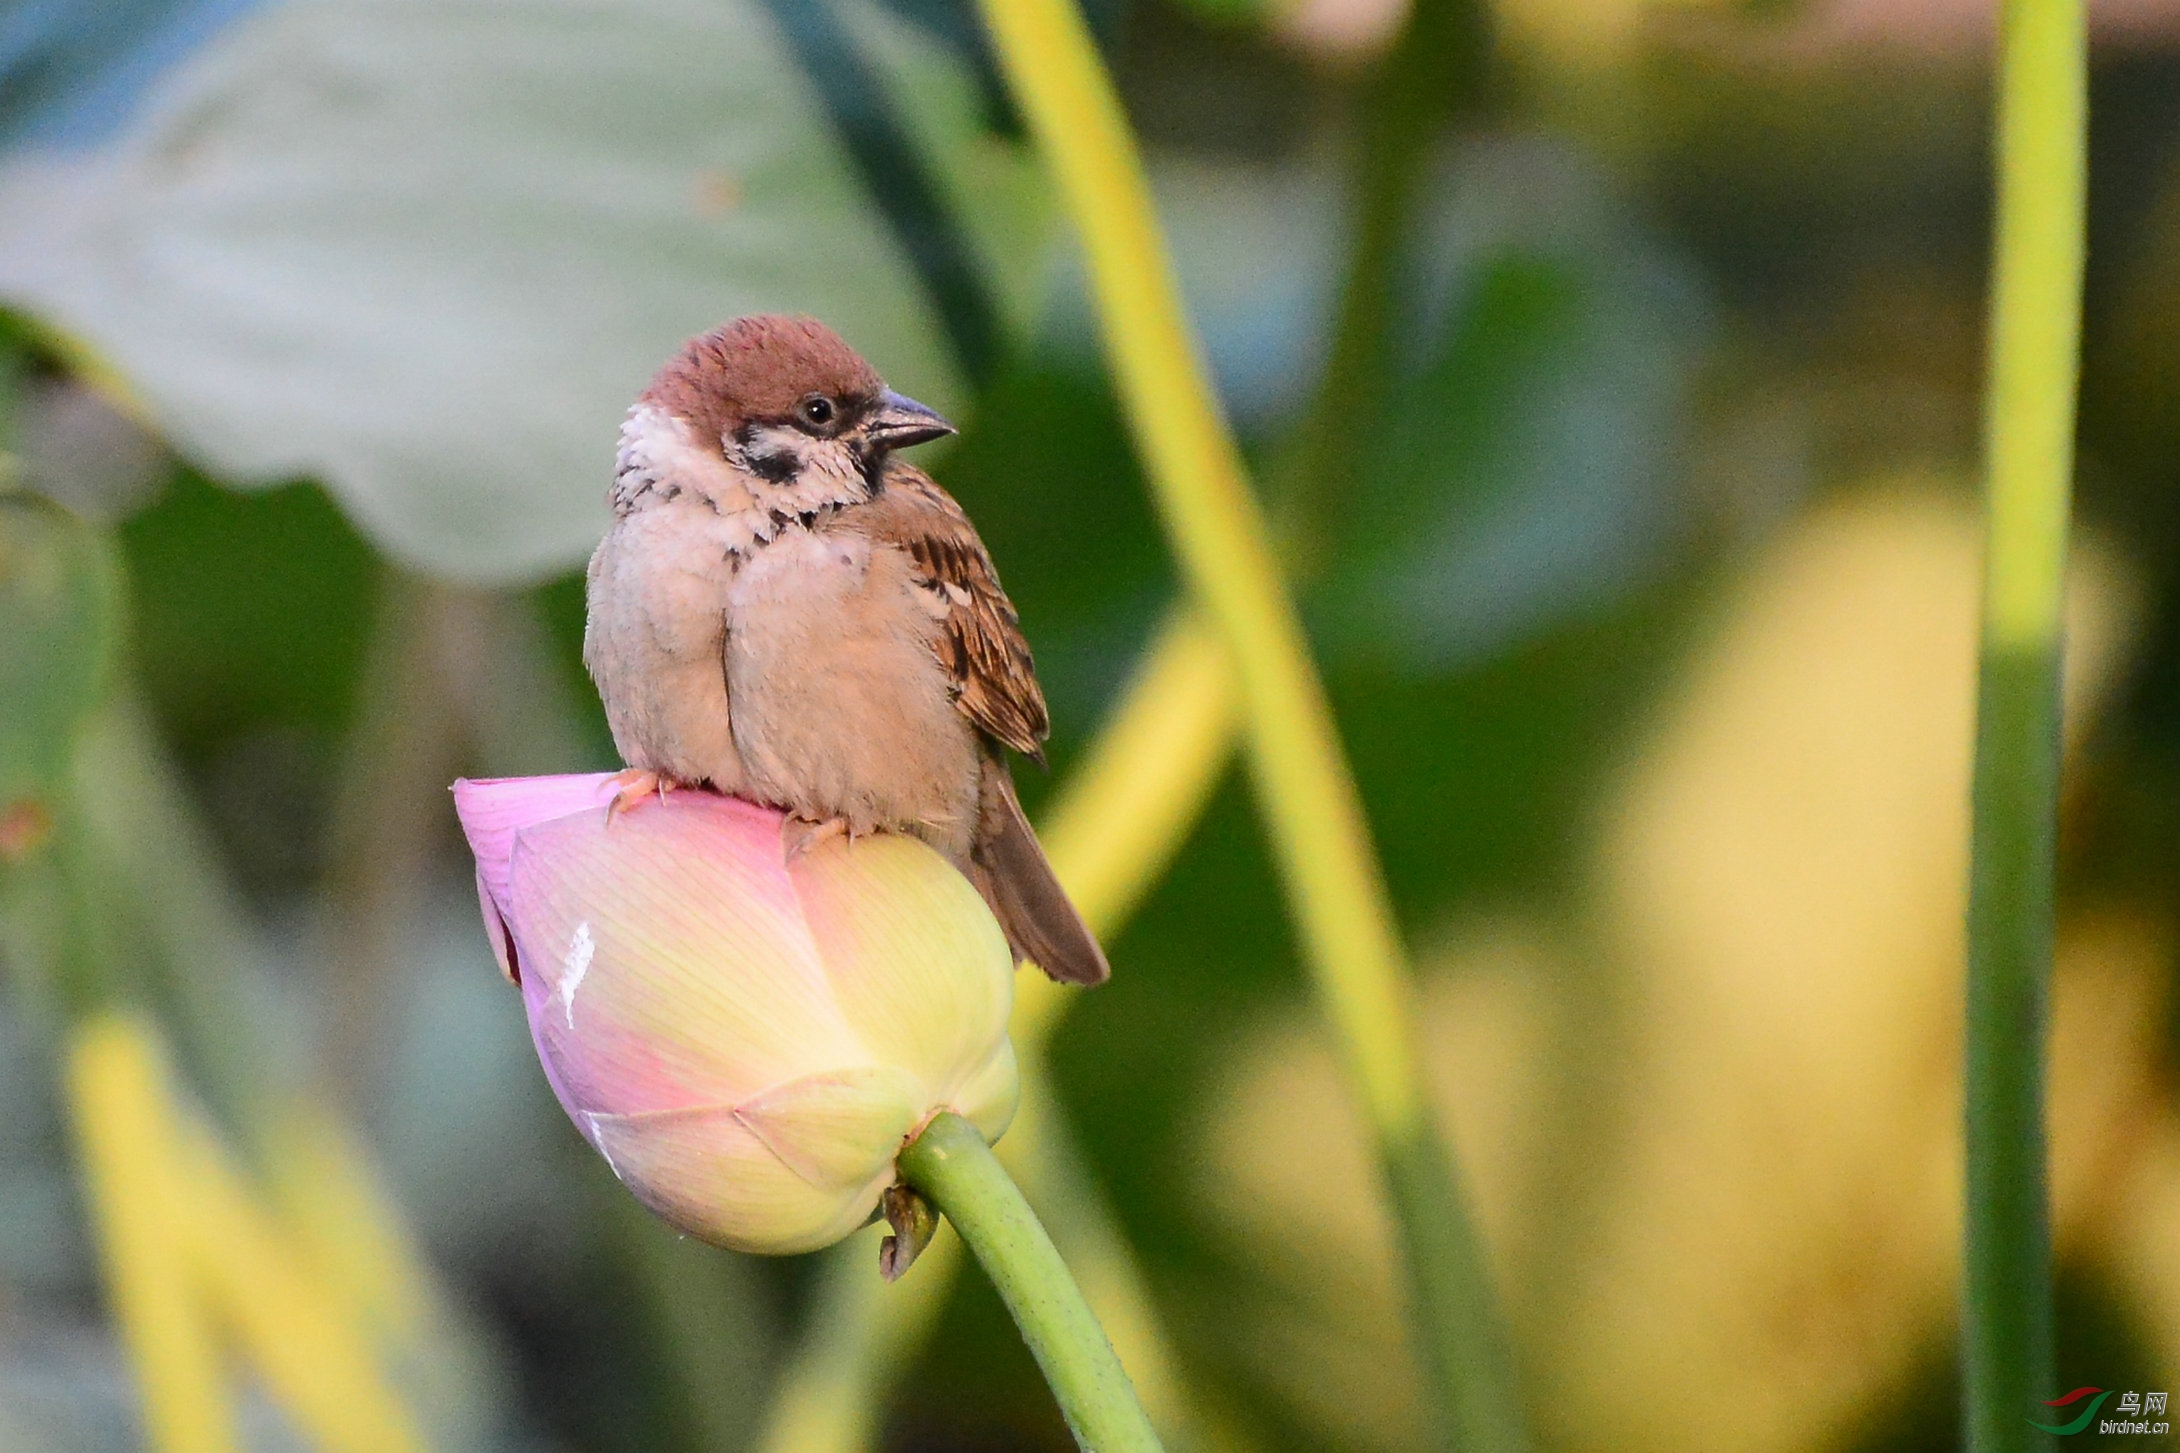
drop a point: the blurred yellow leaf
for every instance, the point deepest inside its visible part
(187, 1247)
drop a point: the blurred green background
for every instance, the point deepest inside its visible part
(1636, 543)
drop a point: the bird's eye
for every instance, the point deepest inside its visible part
(816, 410)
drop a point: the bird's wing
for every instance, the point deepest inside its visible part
(979, 640)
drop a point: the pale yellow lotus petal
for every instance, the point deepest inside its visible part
(707, 1173)
(990, 1096)
(839, 1129)
(665, 960)
(916, 960)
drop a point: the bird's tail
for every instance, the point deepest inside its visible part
(1010, 870)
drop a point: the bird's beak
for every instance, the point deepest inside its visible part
(900, 422)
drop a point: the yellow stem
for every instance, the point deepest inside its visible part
(343, 1222)
(2036, 289)
(188, 1248)
(115, 1088)
(1225, 549)
(152, 853)
(309, 1348)
(1313, 812)
(1127, 807)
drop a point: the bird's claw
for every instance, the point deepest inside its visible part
(635, 784)
(798, 835)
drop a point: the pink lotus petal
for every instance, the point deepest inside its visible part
(666, 960)
(496, 929)
(494, 809)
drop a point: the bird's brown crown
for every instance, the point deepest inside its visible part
(756, 369)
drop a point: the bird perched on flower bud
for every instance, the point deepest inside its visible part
(786, 612)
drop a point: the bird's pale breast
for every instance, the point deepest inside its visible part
(655, 638)
(841, 707)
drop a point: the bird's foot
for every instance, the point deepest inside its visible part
(798, 834)
(635, 784)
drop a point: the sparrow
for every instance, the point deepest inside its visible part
(786, 612)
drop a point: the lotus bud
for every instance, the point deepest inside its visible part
(748, 1038)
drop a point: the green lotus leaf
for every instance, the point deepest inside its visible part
(427, 252)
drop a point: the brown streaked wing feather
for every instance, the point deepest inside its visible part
(980, 641)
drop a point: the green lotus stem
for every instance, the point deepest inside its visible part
(949, 1164)
(2029, 445)
(1319, 835)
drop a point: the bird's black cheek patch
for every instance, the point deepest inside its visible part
(764, 452)
(777, 466)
